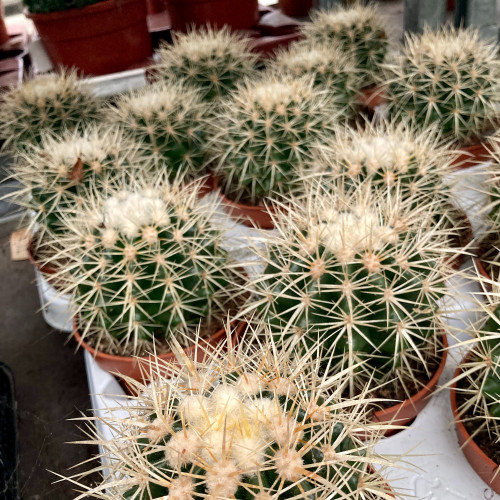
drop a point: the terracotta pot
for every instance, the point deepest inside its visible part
(296, 8)
(4, 36)
(105, 37)
(249, 215)
(137, 368)
(405, 412)
(372, 97)
(47, 270)
(267, 46)
(188, 13)
(486, 468)
(470, 156)
(155, 6)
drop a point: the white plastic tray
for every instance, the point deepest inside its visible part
(434, 467)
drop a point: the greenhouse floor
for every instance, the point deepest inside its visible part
(51, 385)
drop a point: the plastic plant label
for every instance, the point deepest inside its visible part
(19, 244)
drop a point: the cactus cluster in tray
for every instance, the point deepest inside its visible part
(265, 134)
(359, 274)
(46, 104)
(330, 67)
(211, 61)
(361, 31)
(255, 423)
(145, 263)
(168, 121)
(450, 77)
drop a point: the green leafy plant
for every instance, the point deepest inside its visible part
(145, 262)
(168, 121)
(449, 77)
(265, 134)
(47, 104)
(47, 6)
(249, 423)
(211, 61)
(361, 274)
(360, 31)
(329, 66)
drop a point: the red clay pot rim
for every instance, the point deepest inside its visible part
(131, 359)
(372, 96)
(426, 391)
(46, 269)
(471, 156)
(460, 427)
(481, 268)
(95, 8)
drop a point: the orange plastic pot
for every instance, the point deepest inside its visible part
(484, 466)
(404, 413)
(185, 14)
(101, 38)
(249, 215)
(296, 8)
(470, 156)
(138, 368)
(372, 97)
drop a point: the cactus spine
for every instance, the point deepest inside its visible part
(361, 31)
(211, 61)
(167, 121)
(144, 263)
(450, 77)
(248, 424)
(47, 104)
(265, 136)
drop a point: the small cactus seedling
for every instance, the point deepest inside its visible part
(360, 274)
(212, 61)
(145, 262)
(450, 77)
(254, 424)
(265, 136)
(57, 174)
(167, 120)
(361, 31)
(47, 104)
(329, 66)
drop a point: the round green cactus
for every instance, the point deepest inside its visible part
(211, 61)
(47, 104)
(361, 31)
(450, 77)
(329, 66)
(265, 136)
(360, 274)
(248, 424)
(144, 263)
(168, 122)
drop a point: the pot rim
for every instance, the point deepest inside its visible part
(471, 156)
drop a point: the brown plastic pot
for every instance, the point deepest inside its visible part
(4, 35)
(404, 413)
(138, 368)
(470, 156)
(217, 13)
(46, 269)
(296, 8)
(105, 37)
(484, 466)
(249, 215)
(372, 97)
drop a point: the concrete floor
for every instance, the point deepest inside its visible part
(51, 385)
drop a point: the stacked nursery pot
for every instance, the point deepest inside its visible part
(451, 78)
(250, 423)
(97, 37)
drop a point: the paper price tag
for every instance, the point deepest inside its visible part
(19, 241)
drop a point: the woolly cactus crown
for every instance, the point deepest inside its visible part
(329, 66)
(212, 61)
(47, 104)
(359, 274)
(57, 174)
(266, 133)
(361, 31)
(168, 122)
(250, 423)
(146, 262)
(450, 77)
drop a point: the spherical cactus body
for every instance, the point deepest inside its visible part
(449, 77)
(265, 136)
